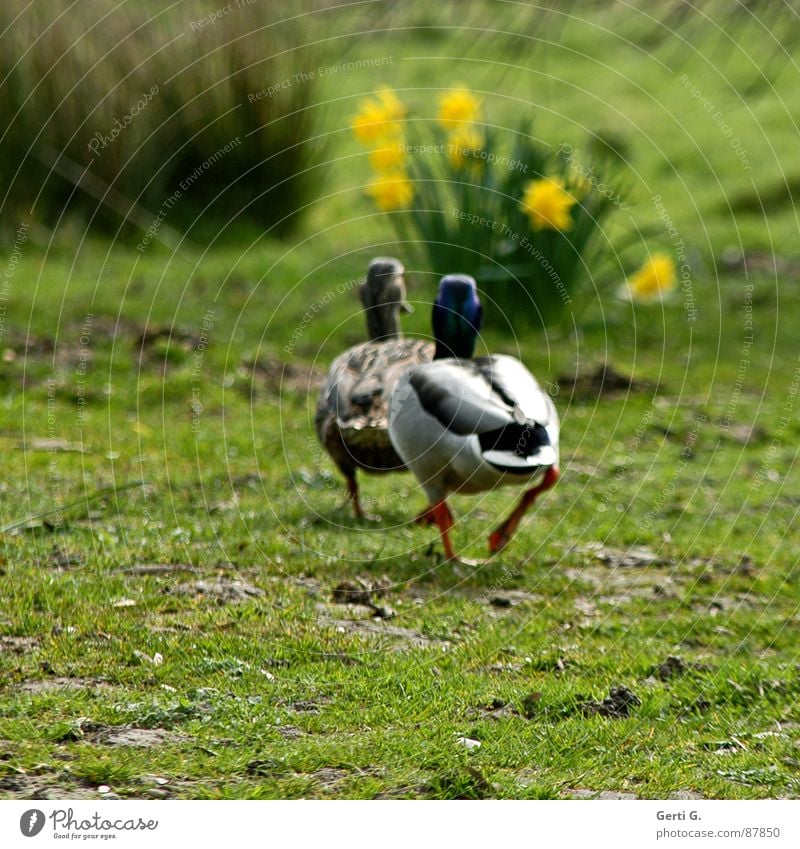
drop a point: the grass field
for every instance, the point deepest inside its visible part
(187, 608)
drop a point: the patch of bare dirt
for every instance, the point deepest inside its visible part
(617, 705)
(586, 607)
(603, 380)
(86, 729)
(60, 558)
(52, 446)
(404, 791)
(604, 795)
(22, 786)
(618, 586)
(290, 732)
(728, 603)
(746, 434)
(158, 568)
(139, 738)
(18, 645)
(360, 590)
(401, 638)
(511, 598)
(623, 574)
(49, 685)
(328, 776)
(220, 590)
(66, 353)
(275, 375)
(672, 667)
(364, 592)
(496, 709)
(505, 667)
(305, 705)
(148, 336)
(158, 787)
(633, 557)
(158, 347)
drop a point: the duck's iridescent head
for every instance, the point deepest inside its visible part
(384, 297)
(457, 316)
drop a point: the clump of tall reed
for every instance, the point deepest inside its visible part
(114, 112)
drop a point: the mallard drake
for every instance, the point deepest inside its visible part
(470, 425)
(351, 419)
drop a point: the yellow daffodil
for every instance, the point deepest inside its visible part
(548, 204)
(379, 118)
(458, 106)
(392, 191)
(654, 279)
(463, 147)
(391, 157)
(392, 105)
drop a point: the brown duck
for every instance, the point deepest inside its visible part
(352, 412)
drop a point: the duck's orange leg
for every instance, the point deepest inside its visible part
(500, 537)
(444, 521)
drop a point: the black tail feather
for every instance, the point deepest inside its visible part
(522, 440)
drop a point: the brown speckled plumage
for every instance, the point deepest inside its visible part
(352, 412)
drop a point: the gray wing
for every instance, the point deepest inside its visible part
(479, 395)
(498, 400)
(459, 397)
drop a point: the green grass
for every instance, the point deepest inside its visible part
(267, 688)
